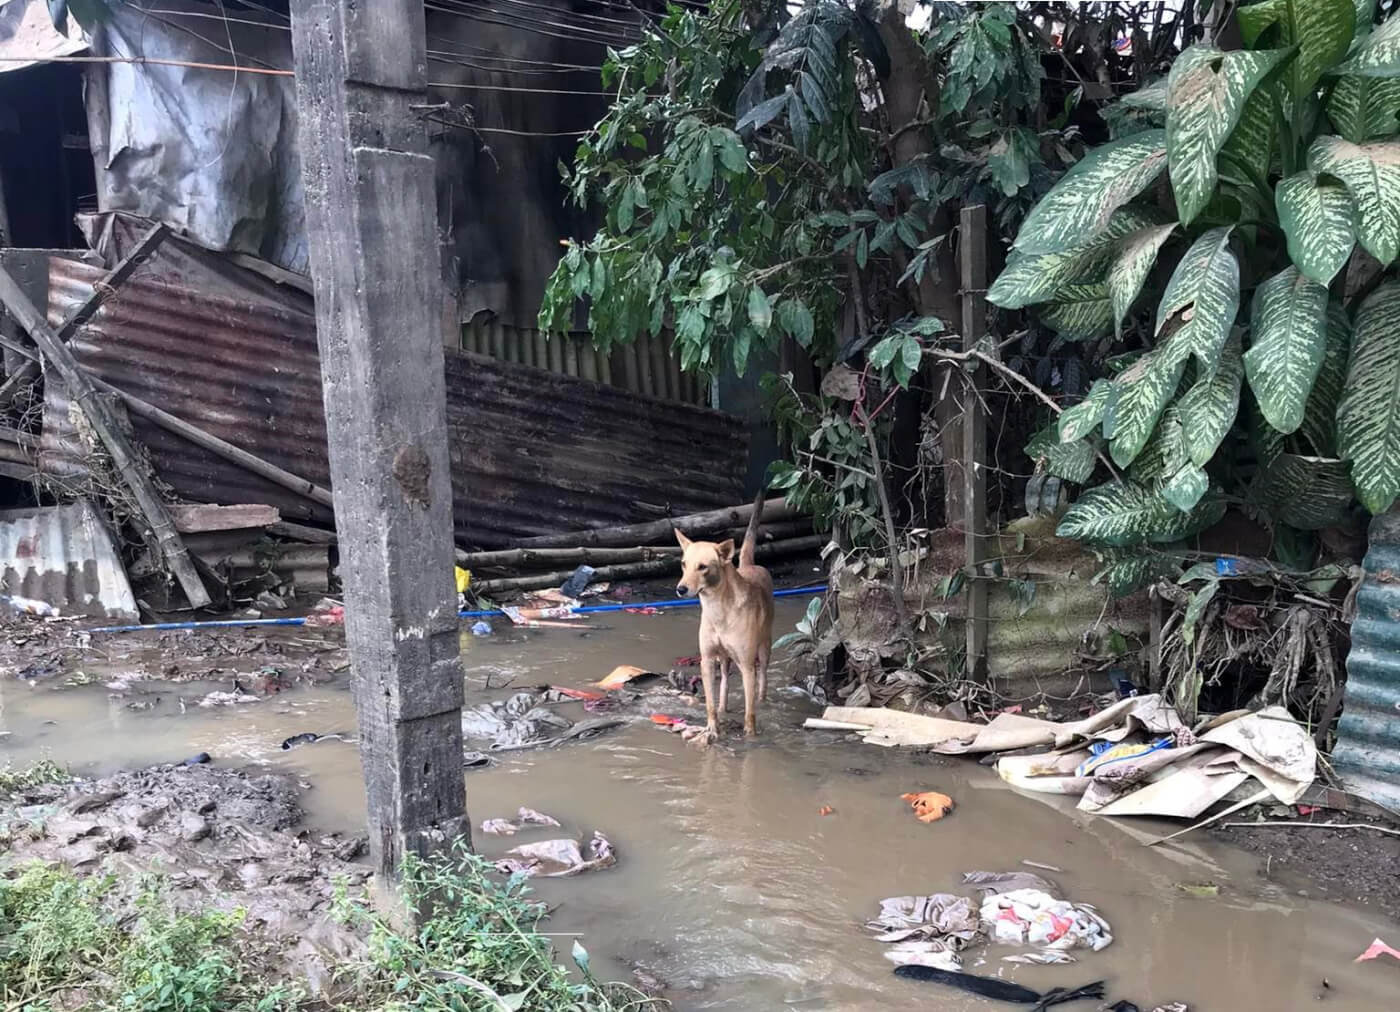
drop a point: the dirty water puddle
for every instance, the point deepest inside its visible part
(731, 885)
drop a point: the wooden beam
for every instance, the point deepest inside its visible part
(660, 530)
(100, 417)
(201, 518)
(972, 245)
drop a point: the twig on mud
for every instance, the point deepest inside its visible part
(1313, 825)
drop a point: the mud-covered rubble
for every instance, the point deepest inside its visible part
(217, 837)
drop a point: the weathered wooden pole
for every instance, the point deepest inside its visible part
(372, 225)
(972, 251)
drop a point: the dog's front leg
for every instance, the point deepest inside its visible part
(710, 668)
(722, 703)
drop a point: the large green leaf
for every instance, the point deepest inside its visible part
(1364, 108)
(1132, 262)
(1124, 574)
(1209, 407)
(1308, 493)
(1368, 417)
(1164, 454)
(1320, 416)
(1140, 395)
(1379, 53)
(1084, 417)
(1321, 29)
(1316, 217)
(1122, 514)
(1082, 203)
(1079, 312)
(1251, 143)
(1289, 335)
(1204, 295)
(1371, 173)
(1071, 461)
(1032, 278)
(1206, 92)
(1186, 487)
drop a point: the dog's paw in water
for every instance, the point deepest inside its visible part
(701, 737)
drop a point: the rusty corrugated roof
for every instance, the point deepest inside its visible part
(532, 452)
(1367, 756)
(64, 556)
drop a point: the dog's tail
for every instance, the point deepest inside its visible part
(751, 535)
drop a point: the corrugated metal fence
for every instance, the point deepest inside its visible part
(1367, 756)
(646, 366)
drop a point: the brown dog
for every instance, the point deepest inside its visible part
(736, 620)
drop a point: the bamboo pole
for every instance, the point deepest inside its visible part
(660, 530)
(541, 558)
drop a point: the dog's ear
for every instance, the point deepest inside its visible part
(681, 539)
(726, 550)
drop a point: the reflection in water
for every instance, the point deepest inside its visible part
(730, 885)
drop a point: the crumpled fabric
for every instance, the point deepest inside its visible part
(523, 818)
(1034, 917)
(557, 858)
(927, 930)
(517, 722)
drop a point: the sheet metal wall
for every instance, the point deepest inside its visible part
(1367, 756)
(533, 452)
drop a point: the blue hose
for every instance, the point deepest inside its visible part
(240, 623)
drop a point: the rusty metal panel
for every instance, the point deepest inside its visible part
(1367, 756)
(66, 557)
(533, 452)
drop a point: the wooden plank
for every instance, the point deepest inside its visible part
(973, 255)
(104, 423)
(195, 518)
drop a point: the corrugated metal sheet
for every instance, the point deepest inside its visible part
(64, 555)
(1367, 756)
(533, 452)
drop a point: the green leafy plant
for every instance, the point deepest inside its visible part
(1251, 346)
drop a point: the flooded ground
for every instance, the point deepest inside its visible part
(730, 886)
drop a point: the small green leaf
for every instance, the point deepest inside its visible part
(625, 208)
(796, 319)
(1032, 278)
(1209, 407)
(1289, 336)
(862, 250)
(1308, 493)
(740, 349)
(580, 955)
(715, 282)
(1378, 55)
(1364, 108)
(1316, 217)
(1185, 488)
(1141, 394)
(1081, 204)
(1320, 417)
(1205, 290)
(1368, 417)
(1133, 260)
(912, 353)
(760, 310)
(1072, 461)
(1079, 312)
(1085, 416)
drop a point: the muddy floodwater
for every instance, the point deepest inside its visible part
(730, 886)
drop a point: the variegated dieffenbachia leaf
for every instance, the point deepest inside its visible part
(1364, 108)
(1029, 278)
(1322, 31)
(1150, 96)
(1289, 336)
(1316, 217)
(1121, 514)
(1082, 203)
(1320, 416)
(1124, 574)
(1309, 493)
(1368, 417)
(1371, 173)
(1207, 283)
(1132, 262)
(1186, 488)
(1206, 93)
(1209, 407)
(1141, 394)
(1163, 455)
(1251, 143)
(1080, 312)
(1072, 461)
(1378, 55)
(1080, 420)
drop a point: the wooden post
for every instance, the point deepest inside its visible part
(973, 254)
(372, 230)
(104, 423)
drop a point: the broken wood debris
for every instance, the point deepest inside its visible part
(696, 524)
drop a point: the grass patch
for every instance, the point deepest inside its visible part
(45, 771)
(69, 942)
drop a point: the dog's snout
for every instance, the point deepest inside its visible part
(681, 590)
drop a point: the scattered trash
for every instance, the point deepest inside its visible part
(930, 806)
(928, 930)
(499, 827)
(688, 662)
(565, 693)
(29, 606)
(1035, 917)
(1201, 890)
(989, 883)
(643, 611)
(1309, 809)
(1001, 990)
(475, 760)
(1103, 754)
(826, 810)
(624, 674)
(1122, 1006)
(1042, 957)
(1042, 867)
(332, 615)
(575, 585)
(524, 818)
(1376, 950)
(464, 578)
(557, 858)
(481, 628)
(227, 699)
(197, 760)
(310, 737)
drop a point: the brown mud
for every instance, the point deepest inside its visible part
(731, 889)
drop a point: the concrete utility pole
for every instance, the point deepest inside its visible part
(372, 224)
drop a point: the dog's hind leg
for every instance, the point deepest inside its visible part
(722, 703)
(765, 650)
(748, 670)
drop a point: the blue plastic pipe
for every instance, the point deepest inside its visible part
(244, 623)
